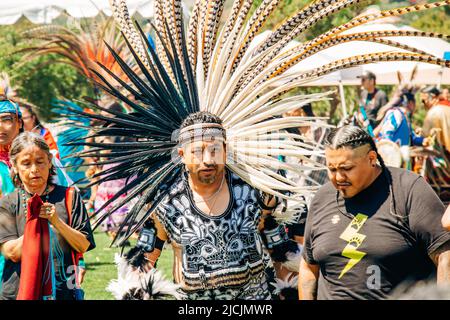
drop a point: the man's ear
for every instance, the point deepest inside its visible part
(373, 156)
(181, 154)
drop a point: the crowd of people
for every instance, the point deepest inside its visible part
(357, 190)
(190, 146)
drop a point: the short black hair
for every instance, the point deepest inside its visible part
(307, 108)
(348, 137)
(367, 75)
(115, 106)
(432, 90)
(200, 117)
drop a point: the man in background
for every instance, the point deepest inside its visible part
(372, 98)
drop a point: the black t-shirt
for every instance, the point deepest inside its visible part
(372, 103)
(363, 250)
(12, 225)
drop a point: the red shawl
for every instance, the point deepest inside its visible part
(35, 255)
(4, 155)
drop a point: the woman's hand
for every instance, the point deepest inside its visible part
(48, 211)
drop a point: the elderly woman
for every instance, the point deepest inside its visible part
(43, 227)
(372, 227)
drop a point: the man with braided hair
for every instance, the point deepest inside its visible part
(372, 227)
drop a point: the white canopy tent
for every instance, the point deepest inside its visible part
(45, 11)
(386, 72)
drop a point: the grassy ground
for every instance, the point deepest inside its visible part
(100, 267)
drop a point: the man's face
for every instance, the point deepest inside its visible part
(298, 113)
(9, 128)
(427, 99)
(349, 169)
(445, 94)
(367, 83)
(204, 159)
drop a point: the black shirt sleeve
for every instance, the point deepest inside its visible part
(80, 219)
(425, 214)
(307, 253)
(8, 228)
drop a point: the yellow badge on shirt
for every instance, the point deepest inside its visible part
(354, 240)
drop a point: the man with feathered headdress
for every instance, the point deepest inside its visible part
(214, 99)
(211, 217)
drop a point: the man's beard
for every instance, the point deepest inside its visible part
(209, 179)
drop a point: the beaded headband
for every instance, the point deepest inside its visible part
(201, 131)
(7, 106)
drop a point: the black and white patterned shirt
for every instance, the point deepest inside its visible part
(224, 251)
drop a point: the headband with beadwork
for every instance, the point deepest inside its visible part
(201, 131)
(7, 106)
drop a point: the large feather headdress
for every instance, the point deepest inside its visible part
(80, 46)
(208, 66)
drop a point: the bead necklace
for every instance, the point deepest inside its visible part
(25, 199)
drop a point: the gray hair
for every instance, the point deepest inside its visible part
(23, 141)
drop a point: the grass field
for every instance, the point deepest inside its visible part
(101, 269)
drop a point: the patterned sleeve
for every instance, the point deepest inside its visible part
(416, 139)
(6, 185)
(391, 124)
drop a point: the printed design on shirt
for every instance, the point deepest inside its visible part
(335, 219)
(215, 252)
(354, 240)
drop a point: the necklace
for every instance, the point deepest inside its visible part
(25, 199)
(212, 206)
(213, 196)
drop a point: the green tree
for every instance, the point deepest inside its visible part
(41, 80)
